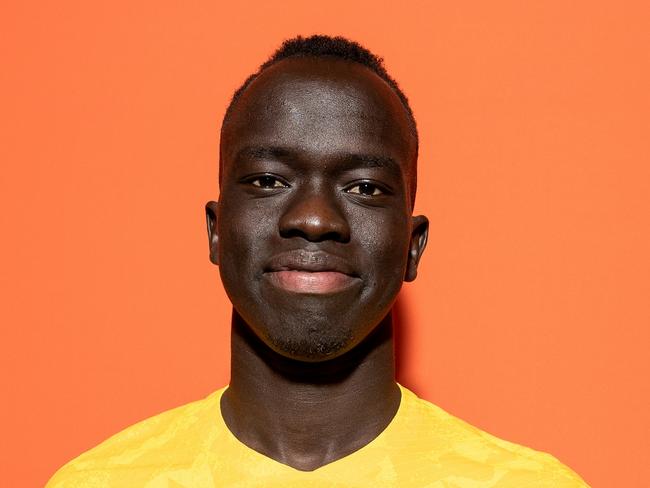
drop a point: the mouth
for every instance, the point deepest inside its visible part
(310, 272)
(311, 282)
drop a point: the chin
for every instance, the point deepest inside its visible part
(310, 329)
(307, 350)
(306, 338)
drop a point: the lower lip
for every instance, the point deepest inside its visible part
(307, 282)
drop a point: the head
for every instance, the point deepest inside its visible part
(314, 233)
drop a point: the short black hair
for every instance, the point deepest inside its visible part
(323, 46)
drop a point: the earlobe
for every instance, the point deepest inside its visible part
(419, 236)
(211, 213)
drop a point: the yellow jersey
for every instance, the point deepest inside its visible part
(423, 446)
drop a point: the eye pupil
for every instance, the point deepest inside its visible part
(366, 189)
(266, 181)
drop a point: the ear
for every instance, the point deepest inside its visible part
(211, 213)
(419, 236)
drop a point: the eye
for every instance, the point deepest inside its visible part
(365, 189)
(267, 181)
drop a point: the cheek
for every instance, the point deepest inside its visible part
(386, 242)
(244, 235)
(245, 226)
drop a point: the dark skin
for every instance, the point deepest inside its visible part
(314, 236)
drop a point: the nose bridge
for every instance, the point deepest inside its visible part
(314, 214)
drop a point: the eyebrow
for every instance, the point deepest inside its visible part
(279, 153)
(372, 161)
(264, 152)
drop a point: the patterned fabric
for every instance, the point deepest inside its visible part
(423, 446)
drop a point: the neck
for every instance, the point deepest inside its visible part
(304, 414)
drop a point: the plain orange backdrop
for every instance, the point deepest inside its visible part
(530, 317)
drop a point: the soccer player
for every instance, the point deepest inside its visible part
(314, 235)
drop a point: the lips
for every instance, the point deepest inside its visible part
(310, 272)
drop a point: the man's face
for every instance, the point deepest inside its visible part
(313, 233)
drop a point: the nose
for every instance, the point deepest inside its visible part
(315, 217)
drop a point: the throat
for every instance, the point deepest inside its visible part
(307, 421)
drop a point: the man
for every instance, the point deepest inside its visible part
(314, 236)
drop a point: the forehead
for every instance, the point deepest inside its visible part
(320, 107)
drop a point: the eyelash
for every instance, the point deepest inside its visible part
(268, 177)
(276, 182)
(375, 188)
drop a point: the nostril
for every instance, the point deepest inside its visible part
(313, 236)
(334, 236)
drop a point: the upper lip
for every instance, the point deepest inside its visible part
(310, 261)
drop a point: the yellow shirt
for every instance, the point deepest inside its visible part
(423, 446)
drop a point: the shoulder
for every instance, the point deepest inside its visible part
(127, 458)
(460, 450)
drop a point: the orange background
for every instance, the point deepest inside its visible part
(530, 317)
